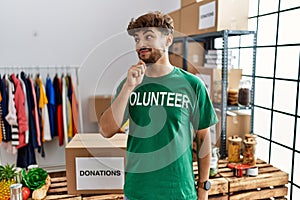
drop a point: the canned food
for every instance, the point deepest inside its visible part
(16, 191)
(234, 148)
(18, 177)
(249, 153)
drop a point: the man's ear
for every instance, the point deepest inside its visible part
(169, 40)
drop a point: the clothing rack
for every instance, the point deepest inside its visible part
(47, 68)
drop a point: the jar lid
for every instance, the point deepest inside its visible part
(250, 141)
(235, 138)
(249, 135)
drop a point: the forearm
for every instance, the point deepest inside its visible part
(203, 157)
(203, 153)
(111, 120)
(203, 168)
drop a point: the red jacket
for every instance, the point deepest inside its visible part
(59, 116)
(21, 113)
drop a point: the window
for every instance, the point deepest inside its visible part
(277, 88)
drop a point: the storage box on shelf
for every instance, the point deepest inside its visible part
(195, 55)
(175, 15)
(97, 105)
(94, 164)
(212, 77)
(213, 59)
(214, 15)
(188, 2)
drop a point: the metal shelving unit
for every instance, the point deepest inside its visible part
(208, 39)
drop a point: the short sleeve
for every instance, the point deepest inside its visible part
(203, 115)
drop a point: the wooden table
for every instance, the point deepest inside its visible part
(270, 183)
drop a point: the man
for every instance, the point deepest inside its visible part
(167, 107)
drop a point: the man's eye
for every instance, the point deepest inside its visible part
(136, 40)
(148, 37)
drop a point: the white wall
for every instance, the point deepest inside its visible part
(89, 33)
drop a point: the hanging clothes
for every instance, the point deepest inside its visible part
(64, 96)
(4, 104)
(32, 113)
(31, 109)
(59, 118)
(42, 102)
(40, 122)
(70, 121)
(50, 93)
(74, 105)
(35, 114)
(3, 133)
(1, 124)
(26, 156)
(11, 116)
(69, 109)
(26, 108)
(19, 100)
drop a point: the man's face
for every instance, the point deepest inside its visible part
(150, 45)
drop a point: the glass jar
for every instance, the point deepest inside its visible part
(244, 93)
(234, 148)
(214, 168)
(249, 152)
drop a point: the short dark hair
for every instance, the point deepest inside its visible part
(156, 19)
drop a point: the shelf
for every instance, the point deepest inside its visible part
(209, 41)
(217, 34)
(232, 108)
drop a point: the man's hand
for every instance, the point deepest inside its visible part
(202, 194)
(135, 74)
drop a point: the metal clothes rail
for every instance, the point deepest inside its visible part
(47, 69)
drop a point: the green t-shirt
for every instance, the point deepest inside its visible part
(163, 113)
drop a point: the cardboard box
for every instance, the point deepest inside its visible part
(195, 57)
(94, 164)
(196, 53)
(177, 48)
(236, 124)
(97, 105)
(212, 78)
(176, 60)
(176, 19)
(188, 2)
(214, 15)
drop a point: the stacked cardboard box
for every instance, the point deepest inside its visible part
(213, 59)
(177, 23)
(213, 15)
(185, 3)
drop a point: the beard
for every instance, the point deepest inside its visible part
(155, 55)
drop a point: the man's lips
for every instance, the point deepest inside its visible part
(144, 50)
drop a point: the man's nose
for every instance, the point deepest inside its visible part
(141, 44)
